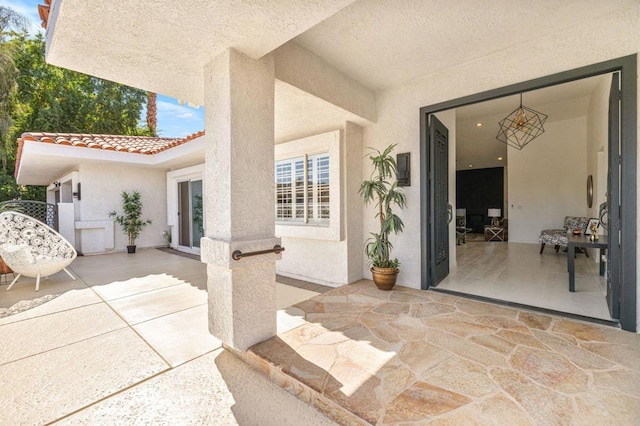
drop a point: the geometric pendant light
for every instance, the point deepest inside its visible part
(521, 126)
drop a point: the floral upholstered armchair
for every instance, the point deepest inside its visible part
(560, 237)
(33, 249)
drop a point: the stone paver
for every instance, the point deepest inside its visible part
(414, 357)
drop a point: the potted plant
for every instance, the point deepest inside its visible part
(130, 220)
(382, 189)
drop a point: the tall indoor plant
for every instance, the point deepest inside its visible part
(130, 220)
(382, 189)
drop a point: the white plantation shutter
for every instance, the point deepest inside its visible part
(298, 165)
(299, 199)
(323, 187)
(284, 198)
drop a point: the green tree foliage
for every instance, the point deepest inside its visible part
(9, 22)
(53, 99)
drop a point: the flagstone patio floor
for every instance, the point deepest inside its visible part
(407, 357)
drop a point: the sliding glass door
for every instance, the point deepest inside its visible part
(190, 214)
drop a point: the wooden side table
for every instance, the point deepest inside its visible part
(492, 233)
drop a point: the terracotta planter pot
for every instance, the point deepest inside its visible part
(385, 278)
(131, 249)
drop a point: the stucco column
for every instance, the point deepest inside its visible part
(239, 200)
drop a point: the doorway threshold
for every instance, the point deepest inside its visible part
(610, 323)
(179, 253)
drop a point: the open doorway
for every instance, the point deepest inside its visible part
(535, 194)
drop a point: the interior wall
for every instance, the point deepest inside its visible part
(610, 37)
(547, 180)
(101, 193)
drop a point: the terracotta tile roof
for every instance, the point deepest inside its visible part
(146, 145)
(43, 11)
(134, 144)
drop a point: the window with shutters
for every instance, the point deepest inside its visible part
(303, 190)
(308, 187)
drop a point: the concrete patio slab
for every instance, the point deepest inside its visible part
(68, 300)
(179, 337)
(215, 389)
(133, 286)
(153, 304)
(63, 362)
(25, 288)
(45, 387)
(61, 329)
(287, 295)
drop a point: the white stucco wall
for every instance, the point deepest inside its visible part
(102, 186)
(352, 226)
(330, 255)
(547, 180)
(398, 119)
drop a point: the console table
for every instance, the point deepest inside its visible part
(583, 241)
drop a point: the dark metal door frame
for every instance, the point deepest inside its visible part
(627, 66)
(613, 198)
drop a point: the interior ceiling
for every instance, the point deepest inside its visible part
(478, 146)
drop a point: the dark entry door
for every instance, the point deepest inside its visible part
(440, 213)
(613, 200)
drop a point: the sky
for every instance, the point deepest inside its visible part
(174, 120)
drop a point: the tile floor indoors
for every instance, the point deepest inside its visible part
(517, 272)
(127, 343)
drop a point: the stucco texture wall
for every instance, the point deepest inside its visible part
(102, 186)
(613, 36)
(330, 259)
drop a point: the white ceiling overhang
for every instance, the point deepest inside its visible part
(162, 46)
(42, 163)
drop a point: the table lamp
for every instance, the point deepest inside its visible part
(494, 214)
